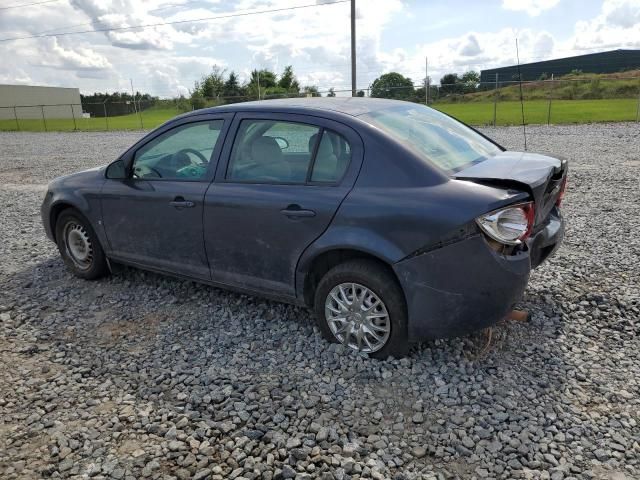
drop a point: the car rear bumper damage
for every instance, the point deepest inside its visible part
(467, 286)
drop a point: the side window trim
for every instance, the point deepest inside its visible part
(314, 154)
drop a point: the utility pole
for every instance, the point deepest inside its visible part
(495, 101)
(258, 76)
(426, 80)
(135, 109)
(134, 97)
(353, 48)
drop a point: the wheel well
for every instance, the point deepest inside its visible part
(56, 210)
(327, 260)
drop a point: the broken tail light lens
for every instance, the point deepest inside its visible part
(563, 189)
(510, 225)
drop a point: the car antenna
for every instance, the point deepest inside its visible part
(524, 126)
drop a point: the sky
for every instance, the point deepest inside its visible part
(392, 35)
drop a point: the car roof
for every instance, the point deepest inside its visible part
(353, 106)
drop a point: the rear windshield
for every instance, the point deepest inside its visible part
(434, 136)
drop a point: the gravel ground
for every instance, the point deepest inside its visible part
(140, 376)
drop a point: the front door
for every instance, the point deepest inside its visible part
(154, 218)
(280, 185)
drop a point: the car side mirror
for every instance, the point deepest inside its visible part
(117, 170)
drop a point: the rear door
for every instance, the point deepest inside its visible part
(154, 217)
(277, 188)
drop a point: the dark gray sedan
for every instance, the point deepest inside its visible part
(393, 222)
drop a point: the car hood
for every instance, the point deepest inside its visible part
(540, 175)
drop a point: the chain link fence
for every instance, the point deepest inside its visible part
(494, 103)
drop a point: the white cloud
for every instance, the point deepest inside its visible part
(129, 13)
(167, 59)
(470, 47)
(79, 58)
(621, 13)
(531, 7)
(616, 26)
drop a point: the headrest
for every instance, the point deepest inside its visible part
(265, 149)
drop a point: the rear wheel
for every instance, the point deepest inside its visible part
(79, 246)
(360, 304)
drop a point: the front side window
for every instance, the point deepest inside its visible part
(270, 151)
(434, 136)
(182, 153)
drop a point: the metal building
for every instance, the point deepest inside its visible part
(31, 102)
(602, 62)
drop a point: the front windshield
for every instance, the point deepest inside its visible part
(434, 136)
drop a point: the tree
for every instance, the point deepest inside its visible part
(288, 80)
(331, 93)
(265, 78)
(360, 93)
(450, 83)
(232, 86)
(211, 85)
(311, 90)
(470, 81)
(260, 82)
(392, 85)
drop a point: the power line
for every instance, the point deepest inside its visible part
(175, 22)
(28, 4)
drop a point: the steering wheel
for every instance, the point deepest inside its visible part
(195, 152)
(138, 173)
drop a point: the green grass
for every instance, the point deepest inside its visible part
(535, 111)
(150, 119)
(473, 113)
(588, 86)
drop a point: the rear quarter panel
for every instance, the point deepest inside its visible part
(400, 204)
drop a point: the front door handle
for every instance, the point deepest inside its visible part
(180, 202)
(297, 211)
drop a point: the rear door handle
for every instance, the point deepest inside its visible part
(180, 202)
(295, 210)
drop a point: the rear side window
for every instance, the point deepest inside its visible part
(332, 158)
(269, 151)
(435, 137)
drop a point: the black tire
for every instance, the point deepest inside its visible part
(95, 265)
(377, 278)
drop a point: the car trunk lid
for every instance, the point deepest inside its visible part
(540, 175)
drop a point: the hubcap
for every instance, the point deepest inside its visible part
(78, 243)
(357, 317)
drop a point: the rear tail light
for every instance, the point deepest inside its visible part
(563, 189)
(510, 225)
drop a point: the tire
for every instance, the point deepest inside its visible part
(79, 246)
(362, 276)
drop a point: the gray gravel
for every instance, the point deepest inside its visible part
(140, 376)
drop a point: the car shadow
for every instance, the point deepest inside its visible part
(195, 350)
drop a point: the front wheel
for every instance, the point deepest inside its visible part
(79, 246)
(360, 304)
